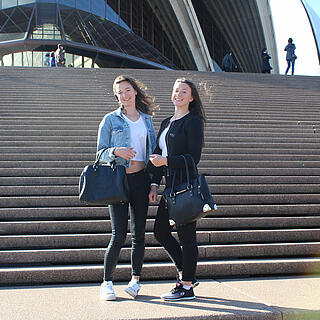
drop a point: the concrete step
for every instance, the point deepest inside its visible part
(158, 270)
(213, 180)
(204, 163)
(75, 172)
(216, 189)
(230, 199)
(210, 223)
(96, 255)
(91, 212)
(69, 241)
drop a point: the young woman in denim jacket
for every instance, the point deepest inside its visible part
(290, 56)
(180, 134)
(129, 136)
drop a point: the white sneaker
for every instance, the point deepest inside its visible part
(106, 291)
(133, 288)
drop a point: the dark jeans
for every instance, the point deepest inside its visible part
(139, 185)
(290, 63)
(185, 258)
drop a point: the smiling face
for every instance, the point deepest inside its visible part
(125, 94)
(181, 95)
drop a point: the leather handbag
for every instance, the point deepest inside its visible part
(103, 184)
(191, 200)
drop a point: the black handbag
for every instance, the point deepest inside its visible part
(103, 184)
(191, 200)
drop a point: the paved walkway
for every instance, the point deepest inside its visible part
(279, 298)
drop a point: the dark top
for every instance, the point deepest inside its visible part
(290, 48)
(185, 136)
(228, 62)
(265, 62)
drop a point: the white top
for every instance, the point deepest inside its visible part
(162, 142)
(138, 138)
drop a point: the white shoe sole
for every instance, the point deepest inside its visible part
(179, 299)
(131, 292)
(110, 298)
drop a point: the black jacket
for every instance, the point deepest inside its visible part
(184, 137)
(265, 65)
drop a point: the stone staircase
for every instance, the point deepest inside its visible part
(262, 150)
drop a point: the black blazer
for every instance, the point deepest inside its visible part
(185, 136)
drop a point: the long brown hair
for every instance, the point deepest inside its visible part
(144, 102)
(195, 105)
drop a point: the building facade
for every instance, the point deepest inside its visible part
(162, 34)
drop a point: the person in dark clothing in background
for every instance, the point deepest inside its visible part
(227, 62)
(265, 65)
(290, 57)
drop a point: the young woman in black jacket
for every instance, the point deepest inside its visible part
(180, 134)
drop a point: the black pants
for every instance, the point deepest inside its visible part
(139, 186)
(185, 258)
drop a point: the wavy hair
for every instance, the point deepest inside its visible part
(195, 105)
(144, 102)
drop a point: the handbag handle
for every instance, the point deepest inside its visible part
(96, 163)
(189, 186)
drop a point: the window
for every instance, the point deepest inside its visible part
(69, 3)
(83, 5)
(9, 3)
(99, 8)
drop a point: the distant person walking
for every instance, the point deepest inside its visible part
(52, 59)
(60, 56)
(227, 62)
(265, 64)
(46, 61)
(291, 56)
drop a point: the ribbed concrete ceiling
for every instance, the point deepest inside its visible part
(239, 22)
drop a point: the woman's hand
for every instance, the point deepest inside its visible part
(126, 153)
(153, 194)
(158, 160)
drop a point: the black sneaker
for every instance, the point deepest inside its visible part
(178, 293)
(194, 282)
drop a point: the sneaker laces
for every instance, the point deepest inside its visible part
(177, 288)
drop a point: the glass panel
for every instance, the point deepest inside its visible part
(27, 58)
(17, 58)
(125, 13)
(87, 62)
(83, 5)
(112, 15)
(99, 8)
(77, 61)
(69, 59)
(22, 2)
(47, 1)
(9, 3)
(114, 4)
(37, 59)
(69, 3)
(7, 60)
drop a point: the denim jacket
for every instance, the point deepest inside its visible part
(114, 132)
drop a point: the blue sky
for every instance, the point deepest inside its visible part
(315, 4)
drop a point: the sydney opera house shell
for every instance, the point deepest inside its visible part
(162, 34)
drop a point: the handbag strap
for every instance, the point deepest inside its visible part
(96, 163)
(187, 174)
(194, 167)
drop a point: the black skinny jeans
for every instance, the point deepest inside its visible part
(139, 186)
(185, 258)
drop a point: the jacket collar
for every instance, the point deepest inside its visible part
(120, 114)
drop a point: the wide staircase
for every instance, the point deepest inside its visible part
(262, 151)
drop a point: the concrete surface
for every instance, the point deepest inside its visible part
(274, 298)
